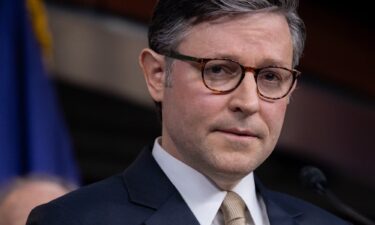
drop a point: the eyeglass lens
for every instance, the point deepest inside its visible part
(225, 75)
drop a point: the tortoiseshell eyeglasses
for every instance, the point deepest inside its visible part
(225, 75)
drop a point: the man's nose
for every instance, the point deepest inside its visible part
(245, 99)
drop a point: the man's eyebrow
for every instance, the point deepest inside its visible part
(264, 62)
(273, 62)
(224, 56)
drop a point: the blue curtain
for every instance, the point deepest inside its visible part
(33, 136)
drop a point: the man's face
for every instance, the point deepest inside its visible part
(226, 136)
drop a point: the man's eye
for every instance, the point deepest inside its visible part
(216, 69)
(221, 67)
(270, 76)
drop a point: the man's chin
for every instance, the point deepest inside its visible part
(235, 169)
(227, 178)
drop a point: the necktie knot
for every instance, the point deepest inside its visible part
(233, 209)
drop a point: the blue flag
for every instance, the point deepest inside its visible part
(33, 136)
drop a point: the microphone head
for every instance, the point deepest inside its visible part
(313, 178)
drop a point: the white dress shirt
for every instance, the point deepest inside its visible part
(202, 196)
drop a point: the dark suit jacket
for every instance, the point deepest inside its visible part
(144, 195)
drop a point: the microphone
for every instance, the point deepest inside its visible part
(314, 179)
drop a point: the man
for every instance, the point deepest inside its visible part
(22, 194)
(221, 72)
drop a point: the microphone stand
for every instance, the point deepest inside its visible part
(314, 178)
(342, 207)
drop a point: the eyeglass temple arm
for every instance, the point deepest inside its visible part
(183, 57)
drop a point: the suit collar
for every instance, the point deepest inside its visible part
(278, 213)
(145, 180)
(149, 186)
(173, 211)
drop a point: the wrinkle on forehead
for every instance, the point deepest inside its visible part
(266, 32)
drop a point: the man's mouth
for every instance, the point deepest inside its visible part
(238, 132)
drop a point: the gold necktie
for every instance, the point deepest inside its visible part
(233, 209)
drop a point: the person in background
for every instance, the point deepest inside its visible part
(21, 195)
(222, 73)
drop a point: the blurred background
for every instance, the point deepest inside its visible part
(110, 116)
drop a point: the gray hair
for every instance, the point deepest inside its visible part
(172, 19)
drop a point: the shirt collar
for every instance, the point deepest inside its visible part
(246, 190)
(202, 196)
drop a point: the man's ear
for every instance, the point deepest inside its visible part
(153, 67)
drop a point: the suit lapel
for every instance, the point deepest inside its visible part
(148, 186)
(278, 214)
(174, 211)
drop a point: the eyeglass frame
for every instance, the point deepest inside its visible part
(203, 61)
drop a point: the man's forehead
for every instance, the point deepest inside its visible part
(245, 20)
(239, 18)
(242, 35)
